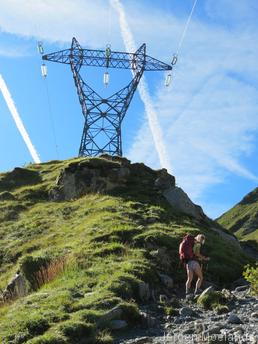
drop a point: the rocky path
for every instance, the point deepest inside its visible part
(193, 324)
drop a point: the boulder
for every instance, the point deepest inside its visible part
(114, 314)
(187, 312)
(117, 324)
(144, 291)
(242, 288)
(15, 288)
(239, 283)
(147, 320)
(182, 203)
(230, 238)
(166, 281)
(163, 258)
(234, 319)
(164, 181)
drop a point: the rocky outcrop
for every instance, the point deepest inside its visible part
(90, 175)
(180, 200)
(106, 174)
(15, 288)
(19, 177)
(230, 238)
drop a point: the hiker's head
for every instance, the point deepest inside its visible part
(200, 238)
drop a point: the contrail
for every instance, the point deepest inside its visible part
(17, 120)
(143, 90)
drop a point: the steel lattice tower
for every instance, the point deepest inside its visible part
(103, 117)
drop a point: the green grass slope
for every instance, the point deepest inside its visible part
(84, 256)
(242, 219)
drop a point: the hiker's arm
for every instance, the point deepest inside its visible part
(197, 253)
(201, 257)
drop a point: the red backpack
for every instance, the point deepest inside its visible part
(186, 248)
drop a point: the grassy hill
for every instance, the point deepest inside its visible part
(85, 255)
(242, 219)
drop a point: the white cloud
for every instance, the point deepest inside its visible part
(56, 21)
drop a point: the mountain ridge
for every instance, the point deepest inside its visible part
(92, 234)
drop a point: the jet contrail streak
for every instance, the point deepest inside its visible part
(17, 120)
(143, 90)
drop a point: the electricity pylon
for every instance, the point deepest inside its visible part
(104, 116)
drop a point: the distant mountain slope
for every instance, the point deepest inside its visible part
(242, 219)
(89, 235)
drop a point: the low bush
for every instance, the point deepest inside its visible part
(221, 309)
(251, 275)
(75, 330)
(211, 300)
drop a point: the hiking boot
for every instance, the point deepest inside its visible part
(189, 296)
(197, 292)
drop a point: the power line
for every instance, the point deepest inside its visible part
(186, 28)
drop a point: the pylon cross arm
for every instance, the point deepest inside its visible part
(99, 58)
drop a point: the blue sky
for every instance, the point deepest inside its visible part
(208, 117)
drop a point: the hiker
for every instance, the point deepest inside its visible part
(190, 255)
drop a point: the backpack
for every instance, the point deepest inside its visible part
(186, 248)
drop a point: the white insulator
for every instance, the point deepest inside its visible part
(168, 80)
(106, 78)
(174, 60)
(108, 51)
(40, 48)
(44, 70)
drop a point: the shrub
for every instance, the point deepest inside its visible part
(251, 275)
(37, 325)
(221, 309)
(170, 311)
(47, 339)
(130, 311)
(104, 337)
(211, 300)
(74, 330)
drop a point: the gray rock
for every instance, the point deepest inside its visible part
(234, 319)
(147, 320)
(117, 324)
(207, 291)
(181, 202)
(163, 258)
(188, 331)
(144, 291)
(114, 313)
(163, 298)
(212, 330)
(178, 320)
(142, 340)
(230, 238)
(239, 282)
(242, 288)
(187, 311)
(15, 288)
(166, 281)
(253, 338)
(199, 327)
(254, 315)
(164, 180)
